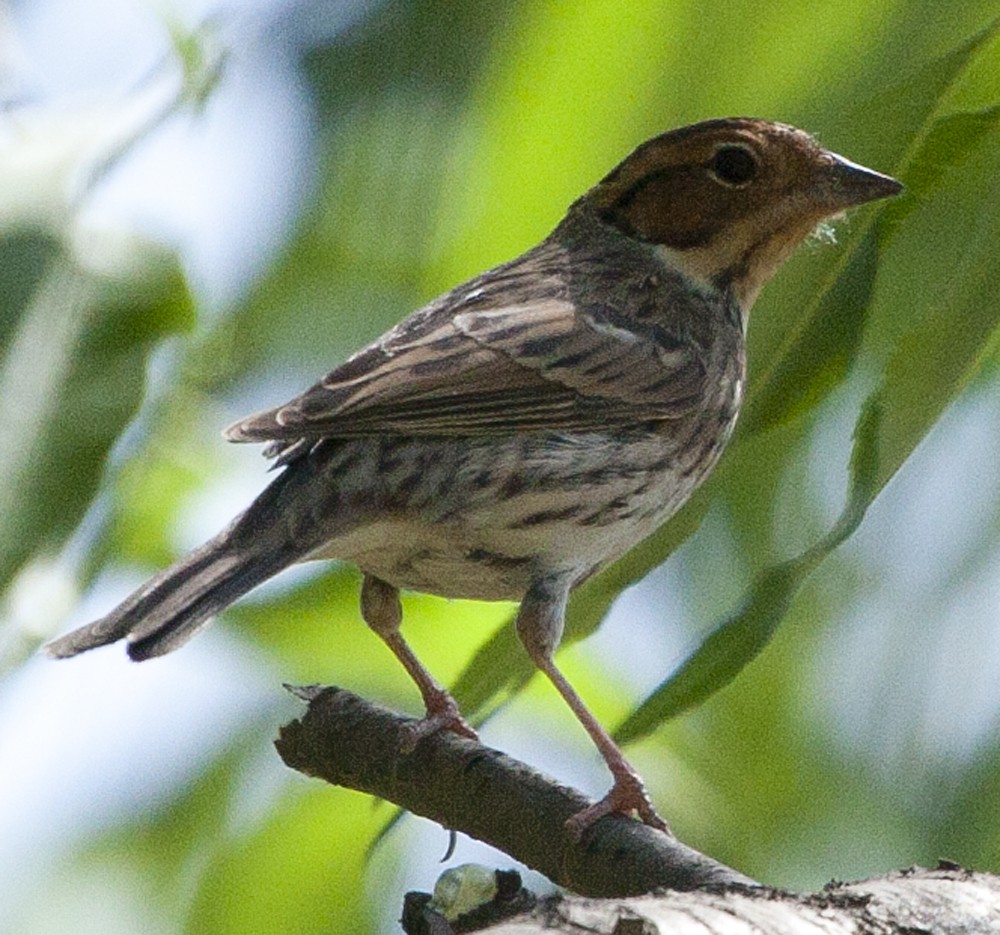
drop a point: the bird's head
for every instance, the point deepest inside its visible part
(726, 201)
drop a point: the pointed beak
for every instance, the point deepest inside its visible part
(846, 184)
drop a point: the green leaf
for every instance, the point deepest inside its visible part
(25, 256)
(736, 642)
(958, 330)
(80, 310)
(825, 349)
(724, 653)
(71, 378)
(895, 121)
(948, 145)
(822, 341)
(814, 357)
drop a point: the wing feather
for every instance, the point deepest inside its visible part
(501, 354)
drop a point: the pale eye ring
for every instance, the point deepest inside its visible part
(733, 165)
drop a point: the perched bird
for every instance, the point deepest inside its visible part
(523, 430)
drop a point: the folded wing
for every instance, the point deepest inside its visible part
(488, 360)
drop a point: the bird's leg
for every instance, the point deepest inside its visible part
(382, 612)
(540, 626)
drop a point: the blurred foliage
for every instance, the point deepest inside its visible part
(450, 137)
(72, 379)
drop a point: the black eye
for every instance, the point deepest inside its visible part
(734, 165)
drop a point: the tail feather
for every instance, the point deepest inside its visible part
(170, 608)
(278, 529)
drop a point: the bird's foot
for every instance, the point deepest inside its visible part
(627, 796)
(442, 714)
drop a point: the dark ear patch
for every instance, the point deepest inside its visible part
(665, 206)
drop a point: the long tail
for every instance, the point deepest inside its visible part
(169, 609)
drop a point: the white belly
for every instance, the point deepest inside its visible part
(490, 544)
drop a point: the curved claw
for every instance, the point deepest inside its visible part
(627, 796)
(442, 714)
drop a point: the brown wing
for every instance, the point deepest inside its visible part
(495, 356)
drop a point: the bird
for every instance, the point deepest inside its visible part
(526, 428)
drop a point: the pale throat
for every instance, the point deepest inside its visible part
(701, 268)
(743, 258)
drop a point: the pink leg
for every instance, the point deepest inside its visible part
(382, 612)
(539, 625)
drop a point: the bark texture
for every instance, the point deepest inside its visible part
(944, 901)
(489, 796)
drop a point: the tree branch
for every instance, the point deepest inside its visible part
(944, 901)
(489, 796)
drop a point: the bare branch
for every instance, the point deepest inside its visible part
(489, 796)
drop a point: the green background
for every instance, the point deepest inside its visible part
(448, 137)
